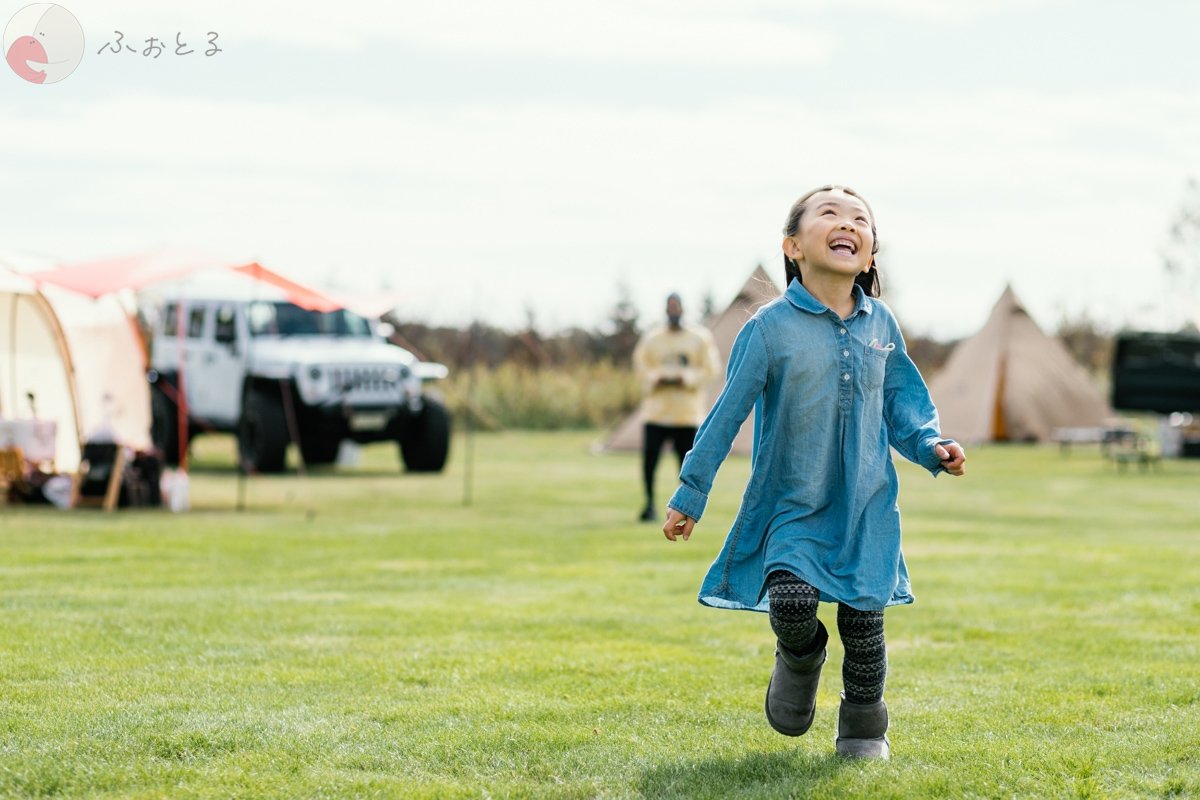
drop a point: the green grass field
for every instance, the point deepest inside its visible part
(363, 634)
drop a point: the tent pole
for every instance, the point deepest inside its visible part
(469, 436)
(12, 357)
(181, 407)
(243, 325)
(68, 362)
(469, 433)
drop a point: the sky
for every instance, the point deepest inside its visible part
(503, 160)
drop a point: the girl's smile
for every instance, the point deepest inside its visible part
(843, 244)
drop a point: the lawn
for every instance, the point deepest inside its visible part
(362, 633)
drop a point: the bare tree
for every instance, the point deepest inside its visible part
(1088, 341)
(623, 327)
(1181, 259)
(708, 307)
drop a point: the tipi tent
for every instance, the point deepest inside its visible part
(758, 290)
(1012, 382)
(73, 360)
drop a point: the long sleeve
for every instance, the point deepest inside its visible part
(912, 420)
(745, 379)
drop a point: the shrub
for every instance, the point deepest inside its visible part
(514, 396)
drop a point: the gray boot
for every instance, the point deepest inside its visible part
(792, 692)
(861, 730)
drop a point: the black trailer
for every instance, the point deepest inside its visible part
(1159, 372)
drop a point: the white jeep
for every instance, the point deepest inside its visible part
(274, 373)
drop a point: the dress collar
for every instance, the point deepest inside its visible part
(800, 297)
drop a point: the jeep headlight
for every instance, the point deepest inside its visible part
(310, 382)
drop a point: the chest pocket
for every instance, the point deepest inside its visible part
(874, 367)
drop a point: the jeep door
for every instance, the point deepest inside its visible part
(218, 367)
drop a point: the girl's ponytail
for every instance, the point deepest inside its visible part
(869, 281)
(790, 270)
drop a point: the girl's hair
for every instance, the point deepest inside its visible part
(869, 280)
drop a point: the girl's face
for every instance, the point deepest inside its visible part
(834, 237)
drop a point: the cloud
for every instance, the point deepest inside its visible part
(741, 142)
(939, 10)
(549, 204)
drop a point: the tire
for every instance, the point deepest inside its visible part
(318, 450)
(164, 425)
(425, 441)
(262, 433)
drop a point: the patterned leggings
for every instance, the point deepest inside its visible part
(794, 619)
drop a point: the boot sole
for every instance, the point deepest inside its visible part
(864, 748)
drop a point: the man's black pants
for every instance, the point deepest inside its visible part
(682, 437)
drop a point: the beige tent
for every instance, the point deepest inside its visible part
(80, 359)
(1011, 382)
(757, 290)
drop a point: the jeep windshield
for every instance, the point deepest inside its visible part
(286, 319)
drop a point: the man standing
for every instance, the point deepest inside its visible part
(675, 362)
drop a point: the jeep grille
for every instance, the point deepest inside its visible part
(366, 384)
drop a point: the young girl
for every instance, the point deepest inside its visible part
(825, 369)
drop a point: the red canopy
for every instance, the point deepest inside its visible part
(96, 278)
(302, 296)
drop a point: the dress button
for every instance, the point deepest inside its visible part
(845, 352)
(842, 331)
(846, 377)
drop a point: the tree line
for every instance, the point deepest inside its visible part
(488, 346)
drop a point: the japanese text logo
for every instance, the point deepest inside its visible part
(43, 43)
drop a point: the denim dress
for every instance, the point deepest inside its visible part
(831, 397)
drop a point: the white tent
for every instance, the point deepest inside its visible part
(1012, 382)
(755, 292)
(73, 360)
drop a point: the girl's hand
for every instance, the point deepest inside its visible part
(952, 456)
(678, 525)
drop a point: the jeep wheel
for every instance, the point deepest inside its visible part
(425, 440)
(164, 425)
(262, 433)
(318, 449)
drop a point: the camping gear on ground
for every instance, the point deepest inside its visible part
(34, 437)
(175, 490)
(101, 469)
(111, 476)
